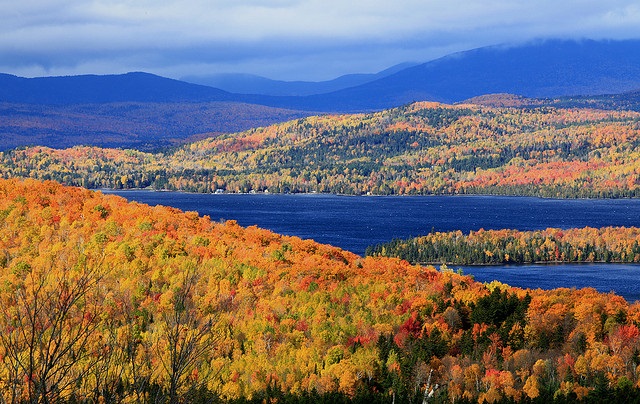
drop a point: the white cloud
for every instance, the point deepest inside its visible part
(282, 38)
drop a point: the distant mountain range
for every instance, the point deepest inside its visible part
(542, 69)
(93, 89)
(252, 84)
(45, 110)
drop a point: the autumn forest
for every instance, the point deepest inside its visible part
(418, 149)
(108, 301)
(610, 244)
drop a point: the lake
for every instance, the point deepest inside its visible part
(620, 278)
(355, 222)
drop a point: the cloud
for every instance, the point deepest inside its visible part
(297, 39)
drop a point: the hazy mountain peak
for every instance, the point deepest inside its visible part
(243, 83)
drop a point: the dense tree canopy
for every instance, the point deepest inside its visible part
(422, 148)
(102, 300)
(609, 244)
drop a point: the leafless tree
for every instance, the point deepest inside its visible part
(47, 321)
(191, 336)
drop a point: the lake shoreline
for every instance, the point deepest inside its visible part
(114, 190)
(518, 264)
(354, 224)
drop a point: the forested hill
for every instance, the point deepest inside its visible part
(133, 110)
(610, 244)
(102, 300)
(100, 89)
(144, 111)
(627, 101)
(140, 125)
(422, 148)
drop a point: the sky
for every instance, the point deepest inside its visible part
(282, 39)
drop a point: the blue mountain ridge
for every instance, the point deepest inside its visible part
(252, 84)
(540, 69)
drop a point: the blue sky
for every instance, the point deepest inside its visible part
(282, 39)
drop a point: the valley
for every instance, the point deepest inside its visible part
(108, 300)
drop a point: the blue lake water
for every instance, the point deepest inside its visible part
(623, 279)
(353, 223)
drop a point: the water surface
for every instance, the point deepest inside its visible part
(623, 279)
(353, 223)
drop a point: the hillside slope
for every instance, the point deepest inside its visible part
(486, 247)
(626, 101)
(96, 89)
(140, 125)
(423, 148)
(545, 69)
(104, 300)
(133, 110)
